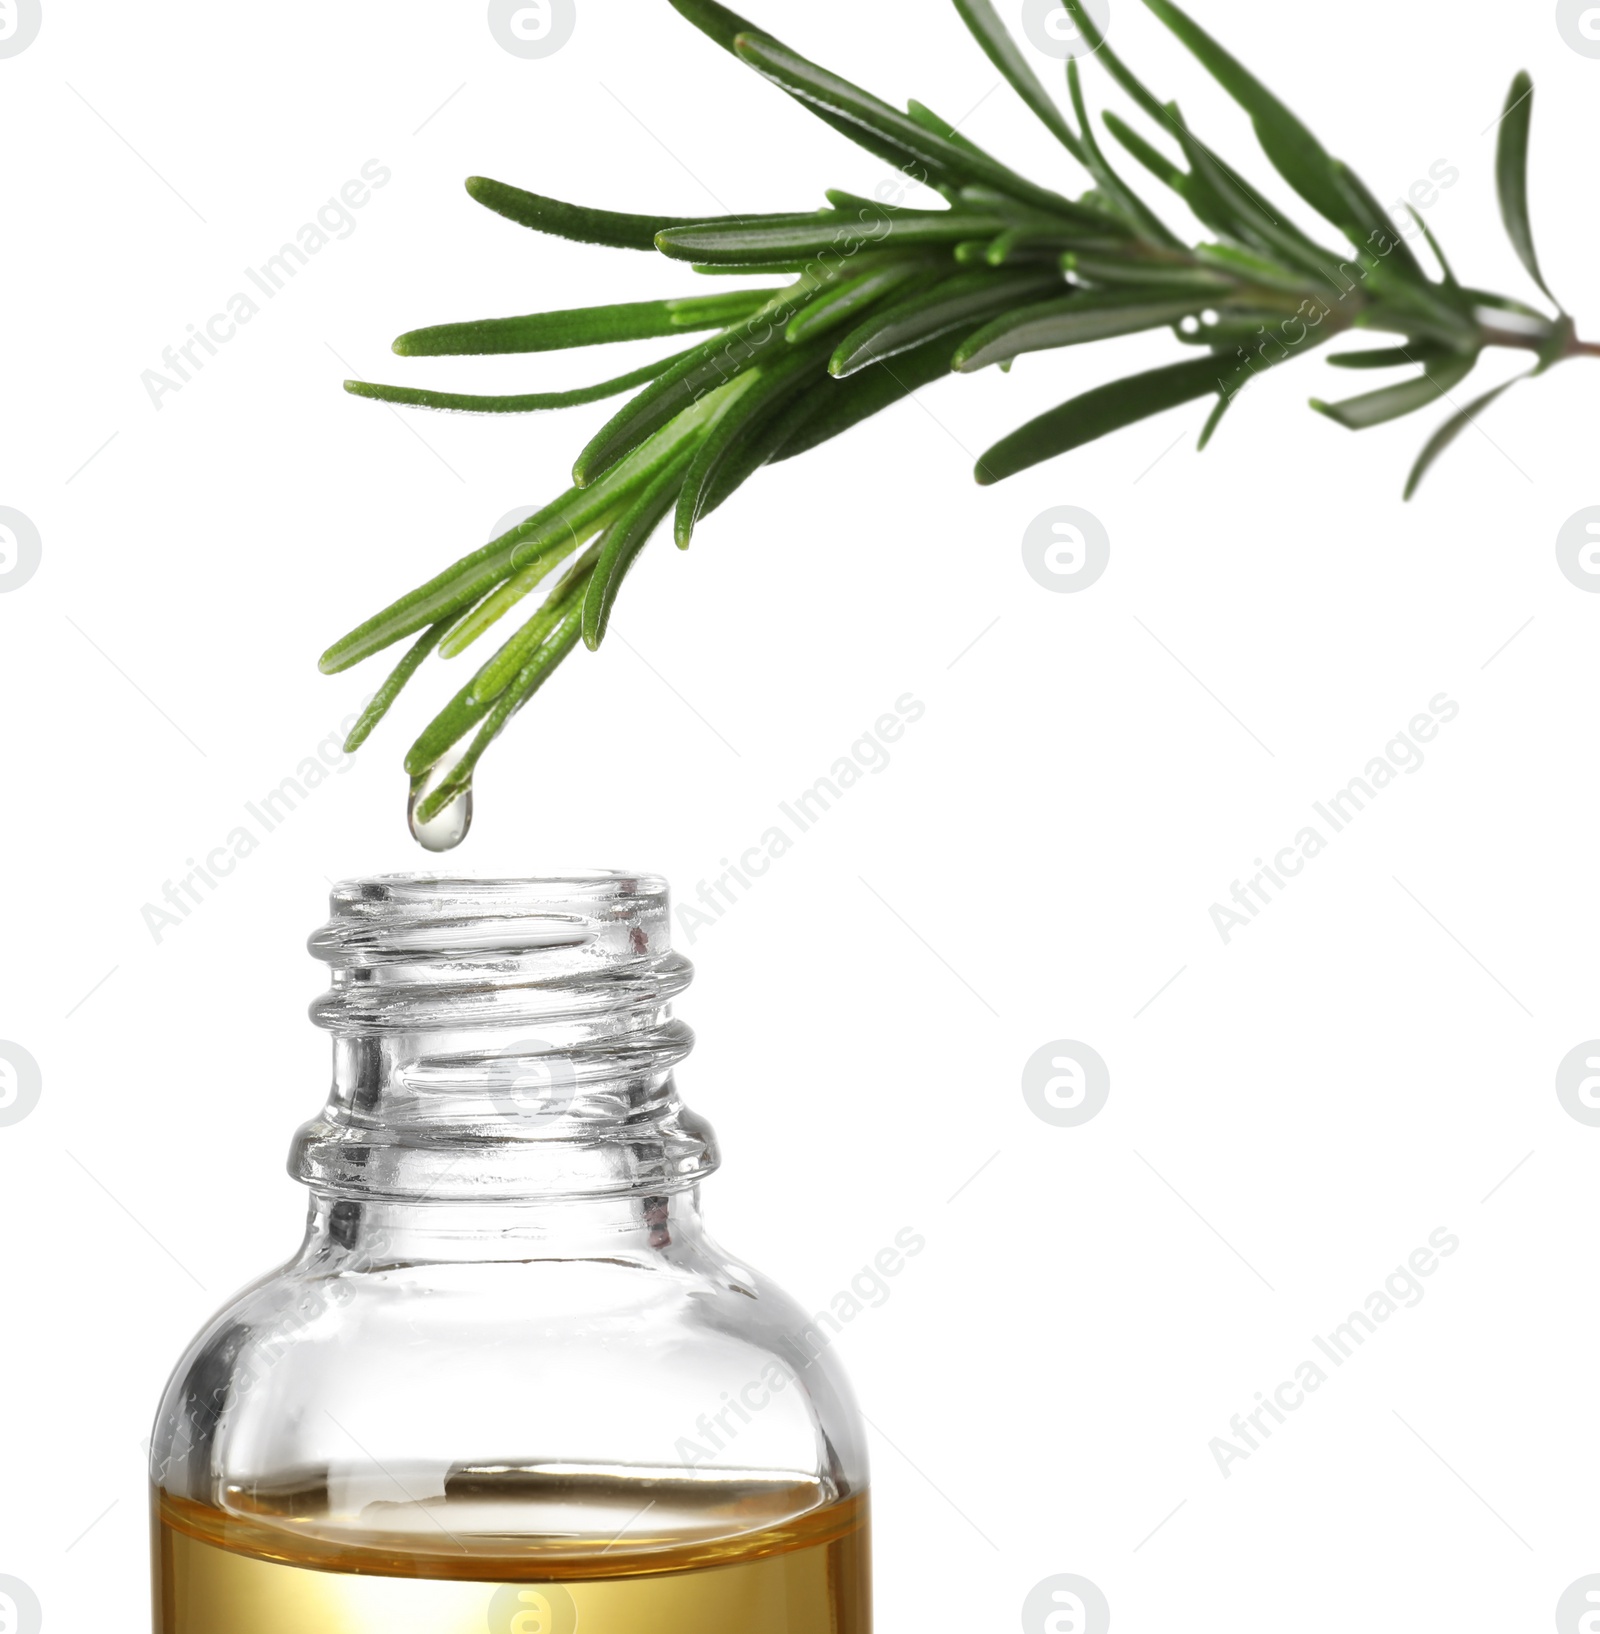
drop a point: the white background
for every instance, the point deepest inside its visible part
(1291, 1117)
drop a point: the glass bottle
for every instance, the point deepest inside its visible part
(508, 1385)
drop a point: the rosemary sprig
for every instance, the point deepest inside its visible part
(878, 301)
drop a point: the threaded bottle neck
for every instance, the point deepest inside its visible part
(502, 1041)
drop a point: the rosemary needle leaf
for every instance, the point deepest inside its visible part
(521, 584)
(1295, 153)
(727, 28)
(699, 380)
(584, 326)
(840, 233)
(1155, 161)
(1151, 276)
(383, 699)
(930, 121)
(539, 669)
(1073, 320)
(551, 530)
(527, 403)
(1511, 174)
(851, 296)
(968, 298)
(1225, 401)
(1372, 230)
(1391, 357)
(714, 21)
(624, 539)
(445, 731)
(770, 389)
(864, 112)
(1001, 48)
(1393, 402)
(832, 407)
(615, 229)
(1450, 430)
(1119, 71)
(1099, 412)
(504, 667)
(1147, 223)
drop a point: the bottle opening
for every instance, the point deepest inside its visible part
(504, 1039)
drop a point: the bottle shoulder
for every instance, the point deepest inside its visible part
(679, 1356)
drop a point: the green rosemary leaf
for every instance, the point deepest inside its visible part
(615, 229)
(528, 403)
(1450, 280)
(859, 109)
(700, 379)
(968, 298)
(714, 21)
(832, 407)
(1394, 402)
(583, 326)
(1295, 153)
(1229, 205)
(930, 121)
(1118, 70)
(1019, 244)
(503, 668)
(1225, 401)
(1450, 430)
(1511, 174)
(1156, 162)
(476, 620)
(1393, 357)
(852, 296)
(445, 731)
(383, 699)
(1149, 274)
(1249, 268)
(773, 386)
(1072, 321)
(1144, 221)
(727, 28)
(535, 673)
(1369, 222)
(1099, 412)
(744, 269)
(624, 539)
(838, 233)
(461, 586)
(1001, 48)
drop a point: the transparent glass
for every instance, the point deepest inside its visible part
(508, 1384)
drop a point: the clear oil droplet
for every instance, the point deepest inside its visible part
(446, 831)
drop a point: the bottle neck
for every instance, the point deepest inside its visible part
(500, 1044)
(344, 1234)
